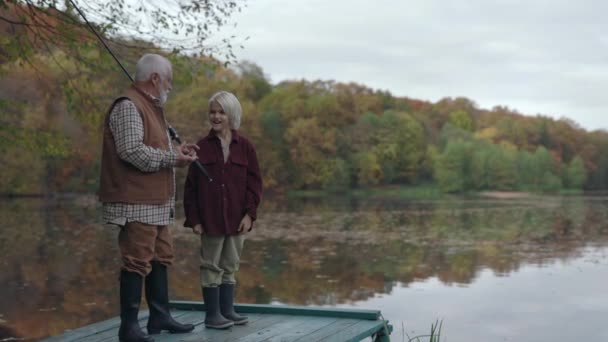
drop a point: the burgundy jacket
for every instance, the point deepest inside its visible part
(236, 189)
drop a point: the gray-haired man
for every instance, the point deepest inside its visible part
(137, 189)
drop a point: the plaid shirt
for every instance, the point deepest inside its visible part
(128, 131)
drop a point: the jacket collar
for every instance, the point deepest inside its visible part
(235, 136)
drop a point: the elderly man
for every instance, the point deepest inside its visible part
(137, 190)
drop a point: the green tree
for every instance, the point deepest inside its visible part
(544, 161)
(425, 173)
(411, 148)
(545, 139)
(550, 182)
(462, 120)
(598, 161)
(450, 133)
(480, 166)
(575, 174)
(529, 174)
(274, 154)
(503, 167)
(538, 171)
(494, 166)
(369, 170)
(336, 175)
(453, 167)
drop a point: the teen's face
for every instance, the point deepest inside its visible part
(218, 118)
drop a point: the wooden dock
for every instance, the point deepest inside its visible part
(266, 323)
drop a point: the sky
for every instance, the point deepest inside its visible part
(534, 56)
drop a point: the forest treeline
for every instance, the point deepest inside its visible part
(309, 134)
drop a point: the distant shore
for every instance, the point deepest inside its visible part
(394, 191)
(505, 194)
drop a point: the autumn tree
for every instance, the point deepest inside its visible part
(46, 25)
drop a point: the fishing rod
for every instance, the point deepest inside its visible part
(172, 131)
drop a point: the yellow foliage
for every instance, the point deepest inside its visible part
(488, 134)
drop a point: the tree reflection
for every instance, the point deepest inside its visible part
(60, 266)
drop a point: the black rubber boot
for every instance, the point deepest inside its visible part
(213, 317)
(130, 298)
(157, 295)
(227, 305)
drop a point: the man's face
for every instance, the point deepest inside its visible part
(164, 85)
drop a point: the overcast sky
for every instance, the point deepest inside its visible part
(535, 56)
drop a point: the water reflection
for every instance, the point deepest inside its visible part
(563, 300)
(60, 268)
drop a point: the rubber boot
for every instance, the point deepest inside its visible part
(213, 317)
(130, 298)
(157, 295)
(227, 305)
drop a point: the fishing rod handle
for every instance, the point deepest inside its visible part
(175, 136)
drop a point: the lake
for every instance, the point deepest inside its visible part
(520, 269)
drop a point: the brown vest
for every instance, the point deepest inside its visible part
(120, 180)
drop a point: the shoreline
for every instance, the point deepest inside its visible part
(411, 192)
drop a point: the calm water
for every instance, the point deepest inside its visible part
(531, 269)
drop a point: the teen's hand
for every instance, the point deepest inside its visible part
(198, 229)
(245, 225)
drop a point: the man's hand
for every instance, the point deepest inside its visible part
(189, 149)
(186, 154)
(198, 229)
(245, 225)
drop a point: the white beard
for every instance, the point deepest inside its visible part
(163, 96)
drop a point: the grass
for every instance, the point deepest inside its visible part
(399, 192)
(422, 192)
(434, 336)
(571, 192)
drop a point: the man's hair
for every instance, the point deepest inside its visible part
(151, 63)
(231, 106)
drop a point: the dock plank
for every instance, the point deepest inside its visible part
(181, 316)
(196, 318)
(288, 310)
(200, 332)
(214, 335)
(328, 330)
(92, 329)
(112, 334)
(267, 323)
(296, 330)
(355, 332)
